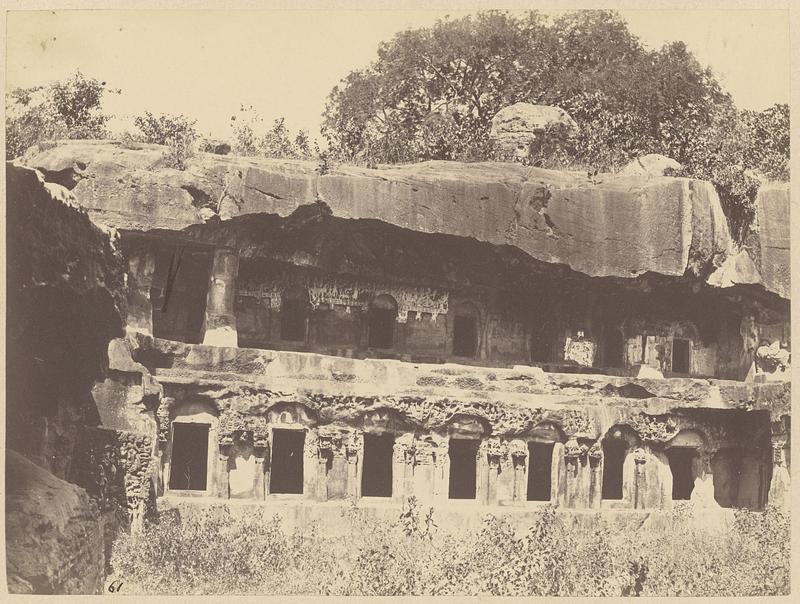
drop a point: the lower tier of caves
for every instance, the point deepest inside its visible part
(236, 423)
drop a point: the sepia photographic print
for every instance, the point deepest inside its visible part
(397, 300)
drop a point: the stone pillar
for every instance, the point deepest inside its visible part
(261, 452)
(311, 477)
(141, 268)
(572, 454)
(519, 459)
(220, 320)
(640, 479)
(595, 475)
(400, 454)
(490, 455)
(779, 486)
(324, 460)
(223, 487)
(354, 451)
(558, 472)
(441, 480)
(423, 472)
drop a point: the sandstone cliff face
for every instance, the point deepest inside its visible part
(55, 537)
(611, 226)
(65, 299)
(774, 236)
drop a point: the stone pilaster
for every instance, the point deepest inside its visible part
(518, 451)
(261, 452)
(354, 452)
(311, 478)
(640, 479)
(400, 466)
(223, 485)
(423, 471)
(779, 486)
(220, 320)
(441, 483)
(572, 455)
(595, 474)
(491, 454)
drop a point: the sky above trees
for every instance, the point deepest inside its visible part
(285, 63)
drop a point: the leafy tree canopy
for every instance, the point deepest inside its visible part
(432, 93)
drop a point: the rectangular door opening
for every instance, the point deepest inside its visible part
(680, 356)
(376, 472)
(613, 462)
(540, 460)
(465, 336)
(463, 468)
(681, 460)
(287, 461)
(189, 463)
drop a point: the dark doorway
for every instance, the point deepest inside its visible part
(540, 465)
(465, 335)
(287, 461)
(189, 464)
(463, 468)
(541, 343)
(293, 320)
(376, 474)
(613, 347)
(382, 318)
(680, 356)
(179, 292)
(680, 463)
(613, 463)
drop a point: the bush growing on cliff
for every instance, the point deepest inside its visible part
(214, 551)
(251, 139)
(68, 108)
(176, 132)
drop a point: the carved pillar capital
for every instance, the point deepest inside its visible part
(595, 453)
(639, 456)
(354, 446)
(573, 450)
(494, 449)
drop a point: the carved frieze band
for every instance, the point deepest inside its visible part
(351, 294)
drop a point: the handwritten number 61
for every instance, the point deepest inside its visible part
(115, 586)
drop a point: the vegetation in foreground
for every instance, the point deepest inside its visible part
(214, 552)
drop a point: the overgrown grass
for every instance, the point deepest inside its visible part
(215, 552)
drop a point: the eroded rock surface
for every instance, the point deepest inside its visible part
(774, 236)
(611, 226)
(55, 541)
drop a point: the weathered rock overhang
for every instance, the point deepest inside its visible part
(66, 300)
(608, 226)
